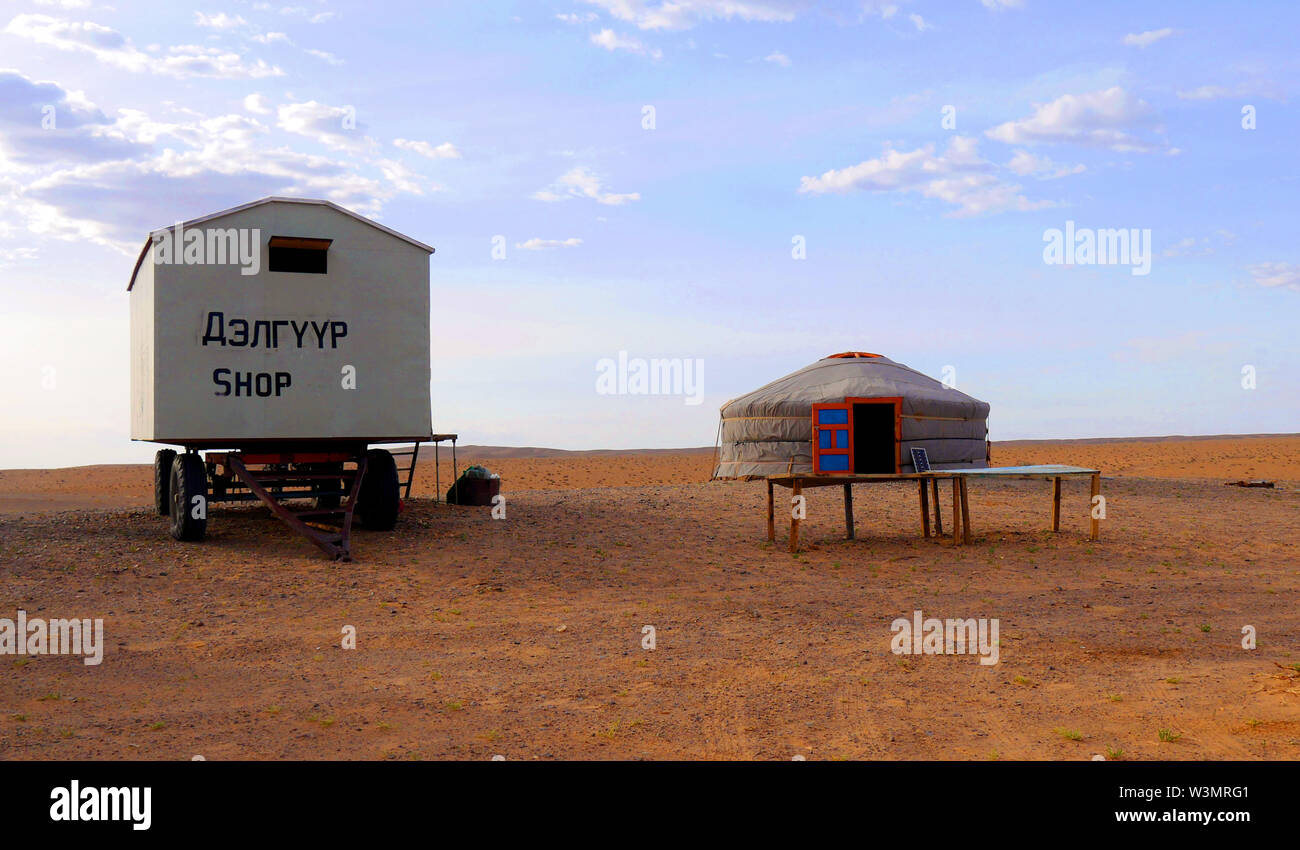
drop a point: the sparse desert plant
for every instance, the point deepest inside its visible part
(157, 724)
(1070, 734)
(1115, 698)
(1173, 680)
(1114, 754)
(1168, 736)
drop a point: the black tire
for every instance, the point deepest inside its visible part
(189, 479)
(380, 497)
(162, 481)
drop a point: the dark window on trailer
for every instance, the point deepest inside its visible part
(297, 254)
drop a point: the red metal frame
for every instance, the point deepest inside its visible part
(335, 543)
(818, 452)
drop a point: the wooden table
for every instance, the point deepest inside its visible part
(961, 533)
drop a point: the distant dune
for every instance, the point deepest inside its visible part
(491, 452)
(1219, 458)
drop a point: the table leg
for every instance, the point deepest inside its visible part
(1056, 504)
(956, 511)
(795, 492)
(938, 514)
(965, 515)
(848, 510)
(925, 507)
(1094, 529)
(771, 514)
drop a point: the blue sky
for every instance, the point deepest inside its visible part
(773, 119)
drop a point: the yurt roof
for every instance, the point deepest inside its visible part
(853, 374)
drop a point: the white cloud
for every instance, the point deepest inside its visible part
(272, 38)
(326, 124)
(958, 177)
(885, 9)
(219, 21)
(112, 48)
(1148, 38)
(324, 54)
(1281, 275)
(446, 150)
(582, 183)
(1205, 93)
(611, 41)
(257, 104)
(302, 12)
(402, 178)
(1027, 164)
(684, 14)
(1188, 247)
(80, 132)
(1098, 119)
(919, 23)
(999, 5)
(536, 244)
(211, 162)
(1246, 89)
(776, 57)
(575, 19)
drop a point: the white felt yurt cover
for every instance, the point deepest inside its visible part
(769, 430)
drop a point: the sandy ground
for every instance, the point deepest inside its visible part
(524, 637)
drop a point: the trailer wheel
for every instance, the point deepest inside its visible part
(189, 498)
(380, 496)
(162, 481)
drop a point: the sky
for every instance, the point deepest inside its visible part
(748, 185)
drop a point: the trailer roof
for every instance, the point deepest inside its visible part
(268, 200)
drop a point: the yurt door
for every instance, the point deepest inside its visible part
(875, 434)
(832, 438)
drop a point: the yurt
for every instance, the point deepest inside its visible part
(851, 413)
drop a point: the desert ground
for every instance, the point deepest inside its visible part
(523, 637)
